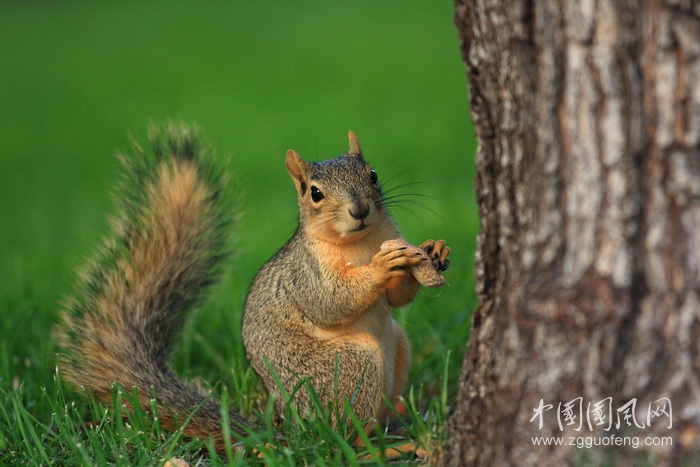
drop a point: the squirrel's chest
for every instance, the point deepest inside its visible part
(360, 251)
(355, 258)
(352, 254)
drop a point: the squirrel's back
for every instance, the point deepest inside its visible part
(169, 239)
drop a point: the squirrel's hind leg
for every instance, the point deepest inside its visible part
(339, 370)
(360, 377)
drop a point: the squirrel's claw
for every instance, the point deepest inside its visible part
(437, 251)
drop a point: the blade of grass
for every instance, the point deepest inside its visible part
(26, 423)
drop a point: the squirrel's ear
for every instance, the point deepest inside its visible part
(299, 171)
(355, 150)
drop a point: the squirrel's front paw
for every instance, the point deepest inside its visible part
(437, 252)
(394, 261)
(424, 271)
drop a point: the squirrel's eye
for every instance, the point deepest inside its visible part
(373, 177)
(316, 194)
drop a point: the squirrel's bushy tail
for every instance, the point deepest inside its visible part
(169, 239)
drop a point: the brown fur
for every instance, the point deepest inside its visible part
(321, 306)
(328, 292)
(121, 326)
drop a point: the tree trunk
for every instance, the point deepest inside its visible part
(587, 116)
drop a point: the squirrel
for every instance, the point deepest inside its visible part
(319, 309)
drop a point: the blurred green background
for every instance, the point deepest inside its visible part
(259, 77)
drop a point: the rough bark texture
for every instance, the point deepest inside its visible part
(587, 115)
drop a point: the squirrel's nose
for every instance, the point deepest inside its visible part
(359, 211)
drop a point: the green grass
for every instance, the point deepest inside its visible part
(258, 77)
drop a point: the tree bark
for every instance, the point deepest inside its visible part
(587, 115)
